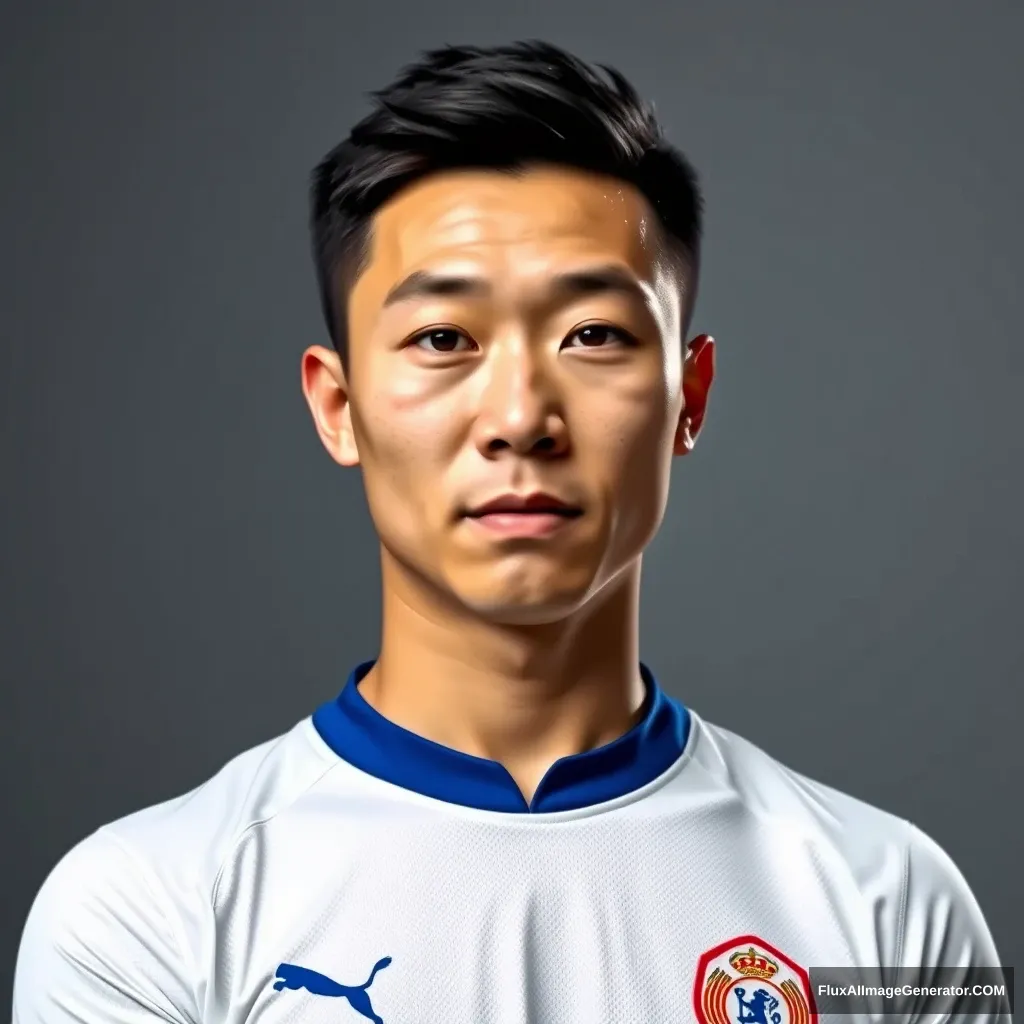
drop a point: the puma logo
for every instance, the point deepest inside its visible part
(294, 977)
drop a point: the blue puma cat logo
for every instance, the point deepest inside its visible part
(295, 977)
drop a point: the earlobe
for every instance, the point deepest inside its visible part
(684, 440)
(698, 374)
(326, 392)
(347, 452)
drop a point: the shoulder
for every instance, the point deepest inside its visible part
(121, 919)
(185, 841)
(777, 794)
(933, 916)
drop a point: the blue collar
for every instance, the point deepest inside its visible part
(364, 738)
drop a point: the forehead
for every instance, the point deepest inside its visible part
(509, 225)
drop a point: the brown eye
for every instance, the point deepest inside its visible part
(598, 336)
(443, 341)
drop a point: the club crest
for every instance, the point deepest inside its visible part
(746, 981)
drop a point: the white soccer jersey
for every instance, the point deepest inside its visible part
(350, 871)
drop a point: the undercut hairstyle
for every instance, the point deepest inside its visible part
(502, 108)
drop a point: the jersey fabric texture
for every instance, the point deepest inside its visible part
(350, 870)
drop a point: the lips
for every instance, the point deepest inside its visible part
(523, 518)
(536, 504)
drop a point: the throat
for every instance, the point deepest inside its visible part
(523, 725)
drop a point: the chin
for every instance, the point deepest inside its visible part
(525, 601)
(507, 613)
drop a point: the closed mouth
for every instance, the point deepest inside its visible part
(526, 505)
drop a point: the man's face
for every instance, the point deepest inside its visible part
(513, 337)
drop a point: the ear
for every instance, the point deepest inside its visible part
(326, 391)
(698, 374)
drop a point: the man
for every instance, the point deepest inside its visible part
(503, 818)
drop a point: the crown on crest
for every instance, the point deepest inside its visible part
(753, 964)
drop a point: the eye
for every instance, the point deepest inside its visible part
(443, 340)
(598, 336)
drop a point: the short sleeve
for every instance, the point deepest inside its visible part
(946, 940)
(98, 948)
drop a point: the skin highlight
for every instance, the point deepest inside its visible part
(512, 333)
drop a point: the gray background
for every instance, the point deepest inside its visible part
(185, 572)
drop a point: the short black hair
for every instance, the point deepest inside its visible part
(502, 108)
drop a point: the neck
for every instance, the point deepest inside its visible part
(523, 696)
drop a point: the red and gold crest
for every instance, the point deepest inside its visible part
(746, 981)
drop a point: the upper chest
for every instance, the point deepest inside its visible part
(496, 920)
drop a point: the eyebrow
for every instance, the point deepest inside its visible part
(606, 279)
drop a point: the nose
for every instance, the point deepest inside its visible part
(520, 405)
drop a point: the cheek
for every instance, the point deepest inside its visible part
(402, 448)
(634, 445)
